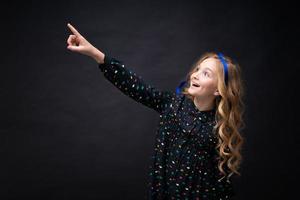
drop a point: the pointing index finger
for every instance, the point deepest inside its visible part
(73, 30)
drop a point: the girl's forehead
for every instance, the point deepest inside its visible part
(210, 63)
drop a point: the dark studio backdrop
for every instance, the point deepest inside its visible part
(68, 133)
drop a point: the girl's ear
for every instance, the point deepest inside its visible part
(216, 93)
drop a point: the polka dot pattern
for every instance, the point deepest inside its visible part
(184, 161)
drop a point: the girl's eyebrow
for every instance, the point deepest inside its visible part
(207, 68)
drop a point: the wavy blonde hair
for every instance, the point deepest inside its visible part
(229, 112)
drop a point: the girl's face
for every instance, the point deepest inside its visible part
(204, 79)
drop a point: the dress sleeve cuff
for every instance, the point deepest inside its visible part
(107, 61)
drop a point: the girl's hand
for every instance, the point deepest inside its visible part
(77, 43)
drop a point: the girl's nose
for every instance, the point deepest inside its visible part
(194, 76)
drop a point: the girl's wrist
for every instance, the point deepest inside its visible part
(98, 56)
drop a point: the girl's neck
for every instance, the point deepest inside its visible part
(203, 105)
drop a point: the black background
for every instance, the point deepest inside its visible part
(67, 133)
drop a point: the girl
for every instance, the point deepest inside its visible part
(198, 143)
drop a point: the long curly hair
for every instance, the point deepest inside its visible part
(229, 114)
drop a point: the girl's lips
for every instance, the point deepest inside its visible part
(195, 85)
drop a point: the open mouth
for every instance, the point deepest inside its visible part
(195, 85)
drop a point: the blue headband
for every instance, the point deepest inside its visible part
(178, 89)
(221, 57)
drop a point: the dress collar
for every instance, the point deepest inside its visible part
(203, 116)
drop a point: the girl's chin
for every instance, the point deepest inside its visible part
(192, 91)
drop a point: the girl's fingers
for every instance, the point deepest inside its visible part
(71, 39)
(74, 48)
(73, 30)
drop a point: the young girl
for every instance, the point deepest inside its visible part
(198, 143)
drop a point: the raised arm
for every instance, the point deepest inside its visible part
(119, 75)
(133, 85)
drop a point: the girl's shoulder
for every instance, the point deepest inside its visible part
(176, 101)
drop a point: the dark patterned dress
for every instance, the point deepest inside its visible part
(184, 163)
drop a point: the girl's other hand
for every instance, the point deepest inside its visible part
(77, 43)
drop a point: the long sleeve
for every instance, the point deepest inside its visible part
(134, 86)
